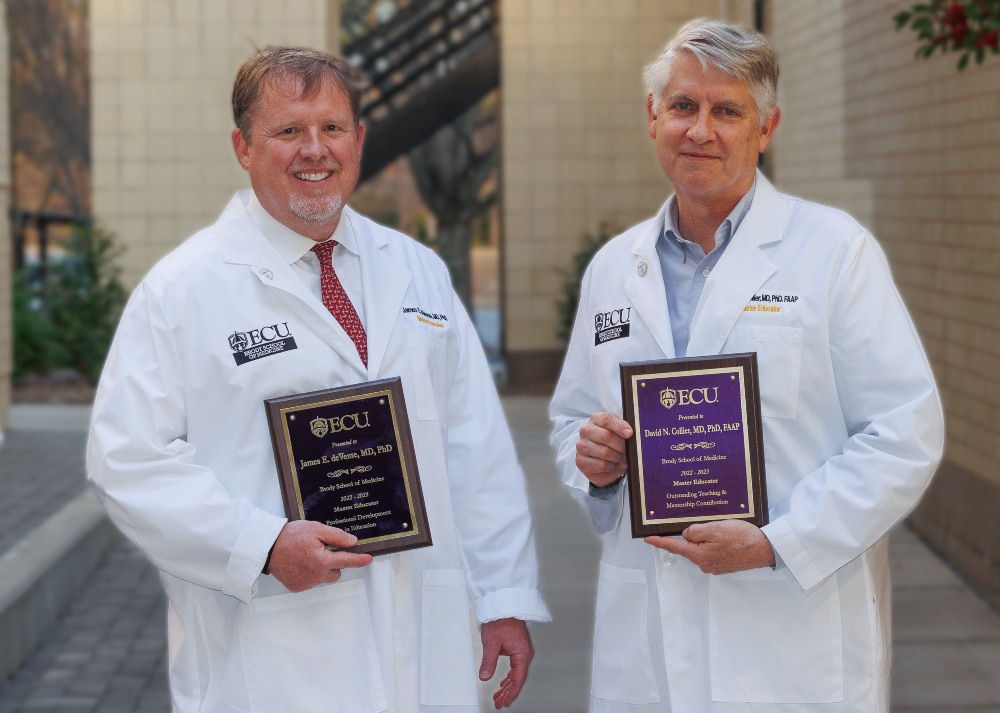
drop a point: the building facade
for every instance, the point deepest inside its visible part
(162, 77)
(909, 147)
(6, 326)
(912, 149)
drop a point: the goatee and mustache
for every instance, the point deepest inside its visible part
(322, 206)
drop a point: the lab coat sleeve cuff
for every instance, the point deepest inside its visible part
(789, 552)
(778, 562)
(524, 604)
(247, 559)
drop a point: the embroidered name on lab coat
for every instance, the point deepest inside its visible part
(432, 319)
(770, 302)
(261, 342)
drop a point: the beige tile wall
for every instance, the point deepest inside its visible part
(809, 152)
(575, 148)
(6, 332)
(162, 74)
(912, 148)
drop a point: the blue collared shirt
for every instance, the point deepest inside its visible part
(686, 267)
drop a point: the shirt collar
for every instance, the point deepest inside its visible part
(725, 231)
(291, 246)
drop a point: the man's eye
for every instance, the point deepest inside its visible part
(288, 131)
(683, 106)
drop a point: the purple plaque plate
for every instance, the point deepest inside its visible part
(345, 458)
(697, 453)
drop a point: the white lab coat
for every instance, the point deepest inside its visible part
(853, 431)
(181, 457)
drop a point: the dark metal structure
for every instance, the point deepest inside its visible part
(432, 61)
(41, 221)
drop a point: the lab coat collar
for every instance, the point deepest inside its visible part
(740, 273)
(243, 243)
(384, 281)
(290, 244)
(644, 285)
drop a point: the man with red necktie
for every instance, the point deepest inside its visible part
(289, 292)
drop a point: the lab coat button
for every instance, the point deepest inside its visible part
(642, 269)
(267, 273)
(668, 558)
(706, 273)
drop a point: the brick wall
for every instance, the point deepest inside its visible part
(912, 148)
(162, 73)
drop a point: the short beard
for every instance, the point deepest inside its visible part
(315, 210)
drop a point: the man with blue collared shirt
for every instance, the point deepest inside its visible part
(686, 266)
(731, 617)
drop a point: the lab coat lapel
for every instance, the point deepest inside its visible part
(740, 273)
(644, 285)
(243, 244)
(384, 283)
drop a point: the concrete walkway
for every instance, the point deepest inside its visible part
(106, 653)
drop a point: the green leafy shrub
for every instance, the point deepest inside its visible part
(84, 299)
(68, 322)
(572, 277)
(37, 349)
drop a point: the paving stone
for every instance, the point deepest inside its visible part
(40, 471)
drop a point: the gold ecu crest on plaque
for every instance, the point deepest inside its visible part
(319, 427)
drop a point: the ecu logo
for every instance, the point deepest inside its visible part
(319, 427)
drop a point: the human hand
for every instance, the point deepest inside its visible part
(506, 637)
(600, 452)
(720, 547)
(300, 559)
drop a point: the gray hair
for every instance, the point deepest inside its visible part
(737, 51)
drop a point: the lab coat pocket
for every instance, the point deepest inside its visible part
(447, 662)
(623, 667)
(779, 358)
(428, 359)
(312, 652)
(772, 643)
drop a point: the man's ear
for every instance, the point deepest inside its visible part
(242, 149)
(651, 116)
(767, 130)
(361, 139)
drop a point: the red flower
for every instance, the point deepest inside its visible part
(969, 28)
(989, 39)
(955, 15)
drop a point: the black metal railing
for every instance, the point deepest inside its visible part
(41, 223)
(429, 63)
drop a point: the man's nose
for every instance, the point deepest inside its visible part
(701, 128)
(312, 145)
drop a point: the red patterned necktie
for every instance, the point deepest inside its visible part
(337, 301)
